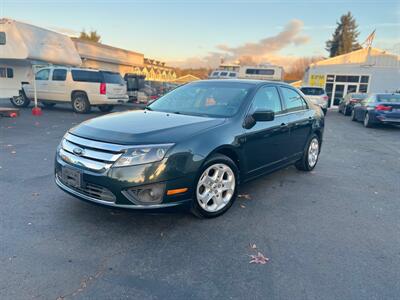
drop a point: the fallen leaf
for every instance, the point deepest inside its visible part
(245, 196)
(253, 246)
(258, 259)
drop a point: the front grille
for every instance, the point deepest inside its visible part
(91, 190)
(93, 155)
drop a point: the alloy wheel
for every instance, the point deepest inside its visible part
(79, 104)
(313, 152)
(215, 187)
(19, 101)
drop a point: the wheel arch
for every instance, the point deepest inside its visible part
(230, 152)
(78, 91)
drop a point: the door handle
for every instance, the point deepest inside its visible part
(283, 125)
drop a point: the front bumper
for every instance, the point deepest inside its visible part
(108, 188)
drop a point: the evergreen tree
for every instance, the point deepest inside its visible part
(344, 39)
(91, 36)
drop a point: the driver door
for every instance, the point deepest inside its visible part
(266, 142)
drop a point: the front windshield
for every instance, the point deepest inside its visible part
(213, 99)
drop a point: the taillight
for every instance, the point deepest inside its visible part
(383, 107)
(103, 88)
(325, 98)
(353, 101)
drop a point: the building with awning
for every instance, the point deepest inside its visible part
(367, 70)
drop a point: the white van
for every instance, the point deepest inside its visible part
(267, 72)
(84, 88)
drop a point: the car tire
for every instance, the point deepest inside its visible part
(346, 111)
(310, 155)
(353, 116)
(106, 108)
(325, 111)
(367, 121)
(48, 104)
(216, 185)
(80, 103)
(21, 100)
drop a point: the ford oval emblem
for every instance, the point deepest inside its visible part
(78, 151)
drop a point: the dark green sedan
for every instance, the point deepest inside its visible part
(190, 148)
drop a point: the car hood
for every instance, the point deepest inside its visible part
(144, 127)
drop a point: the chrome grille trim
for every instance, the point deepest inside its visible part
(89, 153)
(95, 144)
(83, 162)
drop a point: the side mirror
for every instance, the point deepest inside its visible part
(258, 116)
(263, 115)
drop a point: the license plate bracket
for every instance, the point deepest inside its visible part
(72, 177)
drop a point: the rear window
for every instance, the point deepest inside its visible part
(2, 38)
(389, 98)
(111, 77)
(260, 71)
(86, 76)
(313, 91)
(358, 96)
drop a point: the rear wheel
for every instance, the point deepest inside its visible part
(106, 108)
(353, 115)
(20, 101)
(310, 156)
(215, 187)
(346, 111)
(367, 121)
(80, 103)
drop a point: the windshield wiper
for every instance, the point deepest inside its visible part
(148, 108)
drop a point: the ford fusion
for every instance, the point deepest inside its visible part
(190, 148)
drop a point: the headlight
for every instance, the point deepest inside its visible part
(143, 155)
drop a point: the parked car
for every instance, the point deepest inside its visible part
(347, 103)
(378, 109)
(83, 88)
(192, 147)
(316, 95)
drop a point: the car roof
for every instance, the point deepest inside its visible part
(312, 87)
(248, 81)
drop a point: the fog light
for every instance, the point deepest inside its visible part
(145, 194)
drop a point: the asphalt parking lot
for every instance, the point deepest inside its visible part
(329, 234)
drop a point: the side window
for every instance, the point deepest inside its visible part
(3, 73)
(2, 38)
(59, 75)
(267, 98)
(293, 100)
(10, 73)
(42, 74)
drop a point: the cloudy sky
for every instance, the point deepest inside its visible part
(198, 33)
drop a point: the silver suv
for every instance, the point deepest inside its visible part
(84, 88)
(317, 96)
